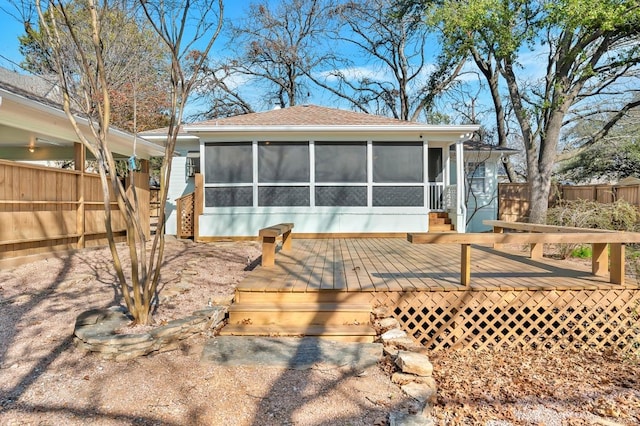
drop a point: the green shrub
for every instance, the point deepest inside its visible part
(581, 252)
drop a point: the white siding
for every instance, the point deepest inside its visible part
(247, 223)
(179, 185)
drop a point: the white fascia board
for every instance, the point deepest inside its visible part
(427, 129)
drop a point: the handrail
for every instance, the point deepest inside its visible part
(599, 241)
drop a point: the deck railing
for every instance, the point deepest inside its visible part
(436, 196)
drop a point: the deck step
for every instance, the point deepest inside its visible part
(299, 313)
(440, 227)
(324, 296)
(348, 333)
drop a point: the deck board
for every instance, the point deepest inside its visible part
(395, 265)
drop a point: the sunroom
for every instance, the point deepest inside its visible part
(328, 171)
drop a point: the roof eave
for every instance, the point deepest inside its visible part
(403, 128)
(123, 140)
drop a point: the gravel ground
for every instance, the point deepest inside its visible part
(45, 381)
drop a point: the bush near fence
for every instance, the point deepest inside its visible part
(513, 198)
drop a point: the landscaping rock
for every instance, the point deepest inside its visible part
(403, 378)
(407, 344)
(406, 419)
(386, 324)
(221, 300)
(394, 333)
(95, 332)
(414, 363)
(380, 312)
(422, 392)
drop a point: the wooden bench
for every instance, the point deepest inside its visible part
(599, 240)
(269, 236)
(536, 249)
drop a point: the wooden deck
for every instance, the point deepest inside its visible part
(395, 265)
(328, 287)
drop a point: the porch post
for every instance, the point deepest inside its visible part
(461, 209)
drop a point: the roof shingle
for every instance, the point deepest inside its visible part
(304, 115)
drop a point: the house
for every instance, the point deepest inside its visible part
(46, 209)
(327, 170)
(34, 127)
(482, 163)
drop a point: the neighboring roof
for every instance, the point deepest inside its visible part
(42, 89)
(30, 113)
(478, 146)
(629, 181)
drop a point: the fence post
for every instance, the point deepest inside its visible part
(79, 157)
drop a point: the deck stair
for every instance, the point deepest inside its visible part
(440, 222)
(328, 314)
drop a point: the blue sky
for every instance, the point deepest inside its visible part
(12, 28)
(234, 9)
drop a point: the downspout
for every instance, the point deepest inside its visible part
(461, 208)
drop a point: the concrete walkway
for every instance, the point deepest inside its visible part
(290, 352)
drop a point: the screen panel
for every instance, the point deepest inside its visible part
(341, 196)
(280, 162)
(228, 163)
(234, 196)
(283, 196)
(341, 162)
(398, 196)
(398, 162)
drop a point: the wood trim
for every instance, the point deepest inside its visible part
(524, 238)
(341, 235)
(535, 227)
(198, 205)
(222, 238)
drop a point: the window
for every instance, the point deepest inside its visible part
(476, 176)
(397, 162)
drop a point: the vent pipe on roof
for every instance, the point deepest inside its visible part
(276, 106)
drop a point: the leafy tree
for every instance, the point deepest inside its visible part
(588, 51)
(133, 59)
(614, 157)
(74, 37)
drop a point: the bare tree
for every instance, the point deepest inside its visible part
(393, 43)
(277, 45)
(85, 73)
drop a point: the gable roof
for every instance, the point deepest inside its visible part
(305, 115)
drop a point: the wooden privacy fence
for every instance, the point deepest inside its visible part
(513, 198)
(43, 210)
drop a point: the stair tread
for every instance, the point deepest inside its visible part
(299, 307)
(308, 330)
